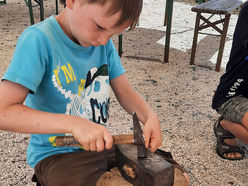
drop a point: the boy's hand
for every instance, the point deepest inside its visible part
(152, 133)
(92, 136)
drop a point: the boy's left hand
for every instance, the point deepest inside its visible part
(152, 134)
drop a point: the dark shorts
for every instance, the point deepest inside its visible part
(234, 109)
(74, 169)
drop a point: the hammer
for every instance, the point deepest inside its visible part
(70, 141)
(136, 137)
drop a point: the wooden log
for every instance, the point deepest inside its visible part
(114, 178)
(179, 178)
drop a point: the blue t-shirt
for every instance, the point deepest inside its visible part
(63, 77)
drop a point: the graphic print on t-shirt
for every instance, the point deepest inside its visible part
(92, 100)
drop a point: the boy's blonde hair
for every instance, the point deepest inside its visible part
(130, 10)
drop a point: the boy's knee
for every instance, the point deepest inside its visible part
(235, 110)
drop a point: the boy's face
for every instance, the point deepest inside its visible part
(88, 24)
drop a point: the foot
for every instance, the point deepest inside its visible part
(227, 147)
(232, 155)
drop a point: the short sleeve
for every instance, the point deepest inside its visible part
(29, 60)
(115, 67)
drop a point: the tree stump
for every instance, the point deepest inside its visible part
(114, 178)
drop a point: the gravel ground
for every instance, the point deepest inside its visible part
(180, 93)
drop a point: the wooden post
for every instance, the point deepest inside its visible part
(222, 42)
(197, 23)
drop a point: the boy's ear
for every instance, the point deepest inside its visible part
(70, 3)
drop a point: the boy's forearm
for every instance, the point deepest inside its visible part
(130, 100)
(135, 103)
(20, 118)
(16, 117)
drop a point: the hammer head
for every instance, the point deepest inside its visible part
(138, 138)
(150, 171)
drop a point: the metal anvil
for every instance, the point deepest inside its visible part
(141, 167)
(150, 171)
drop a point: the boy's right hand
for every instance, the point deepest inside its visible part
(92, 136)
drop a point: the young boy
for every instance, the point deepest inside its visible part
(231, 97)
(62, 69)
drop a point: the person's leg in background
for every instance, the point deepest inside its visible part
(233, 125)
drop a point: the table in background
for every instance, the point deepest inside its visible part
(205, 12)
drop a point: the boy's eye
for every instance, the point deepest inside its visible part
(99, 27)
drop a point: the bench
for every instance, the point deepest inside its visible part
(221, 7)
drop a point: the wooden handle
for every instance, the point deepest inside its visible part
(123, 139)
(70, 141)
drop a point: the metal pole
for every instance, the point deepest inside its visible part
(31, 12)
(57, 9)
(41, 10)
(120, 52)
(169, 10)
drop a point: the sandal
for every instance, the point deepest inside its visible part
(223, 148)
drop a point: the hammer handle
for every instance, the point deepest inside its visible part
(70, 141)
